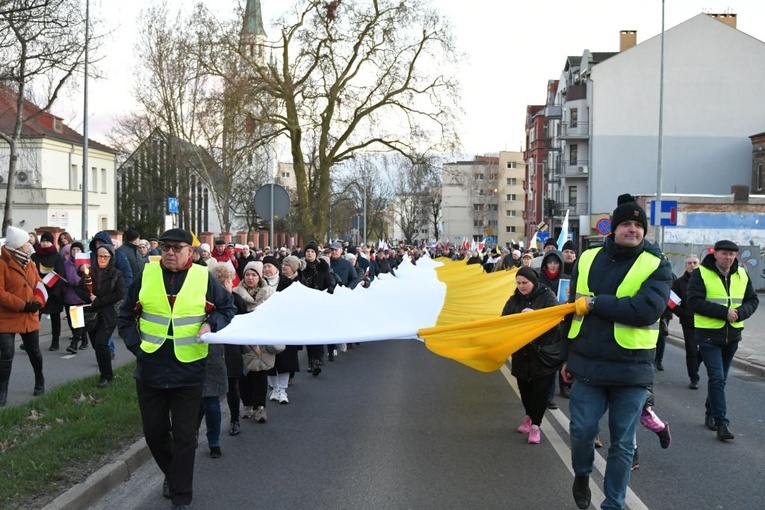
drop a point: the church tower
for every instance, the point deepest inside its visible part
(253, 37)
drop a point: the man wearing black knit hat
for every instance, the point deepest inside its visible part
(610, 350)
(721, 296)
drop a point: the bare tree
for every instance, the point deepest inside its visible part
(349, 76)
(39, 40)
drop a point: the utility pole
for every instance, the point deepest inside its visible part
(85, 129)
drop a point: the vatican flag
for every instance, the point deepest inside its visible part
(454, 308)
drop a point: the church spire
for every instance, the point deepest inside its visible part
(253, 20)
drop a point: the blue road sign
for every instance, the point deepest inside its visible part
(664, 213)
(172, 205)
(603, 226)
(543, 236)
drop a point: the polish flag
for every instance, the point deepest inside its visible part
(41, 293)
(238, 248)
(674, 300)
(51, 279)
(82, 259)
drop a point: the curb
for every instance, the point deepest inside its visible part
(89, 492)
(741, 364)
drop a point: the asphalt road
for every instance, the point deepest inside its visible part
(391, 426)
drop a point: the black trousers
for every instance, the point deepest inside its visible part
(169, 417)
(692, 353)
(77, 333)
(314, 352)
(534, 396)
(254, 388)
(99, 338)
(232, 397)
(31, 342)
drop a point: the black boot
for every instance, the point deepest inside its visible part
(3, 393)
(5, 376)
(724, 434)
(72, 349)
(53, 345)
(39, 388)
(84, 343)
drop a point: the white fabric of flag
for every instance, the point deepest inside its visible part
(301, 316)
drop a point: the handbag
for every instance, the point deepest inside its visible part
(548, 355)
(91, 319)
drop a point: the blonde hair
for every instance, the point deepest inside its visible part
(223, 273)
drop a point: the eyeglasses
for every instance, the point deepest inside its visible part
(175, 247)
(104, 257)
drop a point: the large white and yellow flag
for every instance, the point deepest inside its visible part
(453, 307)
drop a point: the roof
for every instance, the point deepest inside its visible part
(44, 125)
(253, 19)
(600, 56)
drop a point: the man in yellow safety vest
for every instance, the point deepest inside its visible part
(610, 351)
(721, 296)
(166, 311)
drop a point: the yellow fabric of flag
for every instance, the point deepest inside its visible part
(470, 328)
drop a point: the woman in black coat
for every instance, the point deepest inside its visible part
(49, 260)
(108, 288)
(535, 364)
(316, 274)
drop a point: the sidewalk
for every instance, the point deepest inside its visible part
(750, 357)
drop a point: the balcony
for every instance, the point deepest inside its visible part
(553, 111)
(575, 169)
(574, 209)
(575, 131)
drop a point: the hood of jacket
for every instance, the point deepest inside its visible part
(101, 236)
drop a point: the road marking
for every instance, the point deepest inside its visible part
(631, 500)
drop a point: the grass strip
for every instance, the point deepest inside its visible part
(57, 440)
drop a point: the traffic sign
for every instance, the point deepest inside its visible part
(543, 236)
(603, 226)
(172, 205)
(664, 213)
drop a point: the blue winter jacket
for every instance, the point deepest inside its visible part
(121, 261)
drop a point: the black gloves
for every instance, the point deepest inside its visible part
(31, 307)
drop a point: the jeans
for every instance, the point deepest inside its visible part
(692, 354)
(210, 409)
(587, 406)
(717, 360)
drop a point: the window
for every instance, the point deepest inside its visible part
(493, 223)
(572, 154)
(574, 117)
(511, 165)
(572, 196)
(511, 181)
(103, 180)
(511, 197)
(510, 213)
(478, 223)
(285, 175)
(74, 180)
(93, 179)
(478, 177)
(759, 177)
(509, 229)
(493, 207)
(478, 207)
(493, 177)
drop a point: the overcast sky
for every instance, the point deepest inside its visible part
(512, 48)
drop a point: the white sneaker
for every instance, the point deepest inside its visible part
(343, 347)
(260, 415)
(247, 412)
(283, 397)
(334, 352)
(274, 395)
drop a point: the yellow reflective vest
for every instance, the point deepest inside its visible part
(628, 337)
(716, 293)
(186, 315)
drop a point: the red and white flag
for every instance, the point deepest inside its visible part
(51, 279)
(41, 293)
(238, 248)
(674, 300)
(81, 259)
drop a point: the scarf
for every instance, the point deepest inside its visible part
(552, 275)
(21, 257)
(272, 281)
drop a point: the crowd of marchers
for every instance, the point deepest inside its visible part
(164, 294)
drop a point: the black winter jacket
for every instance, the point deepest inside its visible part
(317, 275)
(593, 356)
(683, 311)
(161, 369)
(108, 287)
(697, 293)
(525, 362)
(52, 259)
